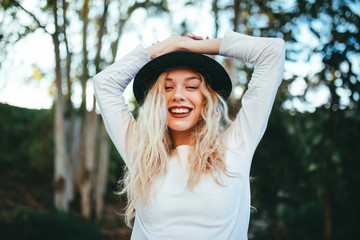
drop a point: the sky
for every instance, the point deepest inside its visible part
(17, 87)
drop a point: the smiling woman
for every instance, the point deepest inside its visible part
(188, 174)
(184, 100)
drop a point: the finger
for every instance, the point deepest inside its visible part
(198, 37)
(195, 37)
(190, 35)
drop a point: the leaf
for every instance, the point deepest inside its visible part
(37, 75)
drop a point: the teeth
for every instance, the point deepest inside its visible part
(180, 110)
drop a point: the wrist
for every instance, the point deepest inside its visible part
(208, 46)
(183, 46)
(152, 50)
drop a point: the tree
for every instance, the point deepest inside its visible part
(76, 128)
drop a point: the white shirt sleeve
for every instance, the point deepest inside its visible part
(268, 56)
(109, 88)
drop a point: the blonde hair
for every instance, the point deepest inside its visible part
(152, 144)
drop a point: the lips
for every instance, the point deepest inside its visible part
(180, 112)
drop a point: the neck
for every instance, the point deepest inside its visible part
(181, 138)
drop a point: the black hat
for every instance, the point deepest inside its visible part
(214, 74)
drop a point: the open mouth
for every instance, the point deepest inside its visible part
(180, 111)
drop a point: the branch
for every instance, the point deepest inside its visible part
(31, 15)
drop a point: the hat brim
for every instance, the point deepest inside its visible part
(215, 75)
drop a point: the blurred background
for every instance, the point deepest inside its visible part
(59, 171)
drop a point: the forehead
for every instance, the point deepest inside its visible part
(182, 72)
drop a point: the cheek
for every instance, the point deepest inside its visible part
(199, 100)
(167, 97)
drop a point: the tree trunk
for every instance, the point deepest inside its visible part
(85, 165)
(69, 120)
(81, 158)
(88, 177)
(103, 162)
(102, 174)
(230, 64)
(62, 178)
(215, 10)
(74, 134)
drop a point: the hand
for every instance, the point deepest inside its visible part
(170, 44)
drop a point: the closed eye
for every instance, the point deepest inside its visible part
(168, 88)
(192, 87)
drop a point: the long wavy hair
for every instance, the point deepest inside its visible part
(153, 142)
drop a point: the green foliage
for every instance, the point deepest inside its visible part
(26, 139)
(331, 30)
(25, 224)
(26, 179)
(307, 165)
(116, 171)
(26, 157)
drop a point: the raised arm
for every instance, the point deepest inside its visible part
(268, 56)
(109, 88)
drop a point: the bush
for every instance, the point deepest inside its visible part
(26, 224)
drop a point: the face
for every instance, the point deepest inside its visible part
(184, 99)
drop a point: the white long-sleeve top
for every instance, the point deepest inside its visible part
(209, 211)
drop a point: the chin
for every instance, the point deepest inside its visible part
(181, 128)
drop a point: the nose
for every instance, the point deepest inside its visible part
(179, 94)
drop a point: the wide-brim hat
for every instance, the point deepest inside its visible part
(215, 74)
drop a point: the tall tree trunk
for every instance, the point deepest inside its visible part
(102, 174)
(215, 9)
(62, 180)
(88, 178)
(75, 134)
(103, 162)
(69, 120)
(84, 167)
(100, 34)
(230, 64)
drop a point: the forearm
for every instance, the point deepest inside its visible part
(209, 46)
(255, 50)
(189, 43)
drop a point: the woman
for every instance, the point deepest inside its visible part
(187, 177)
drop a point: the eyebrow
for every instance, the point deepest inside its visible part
(186, 79)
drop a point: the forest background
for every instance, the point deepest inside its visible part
(59, 170)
